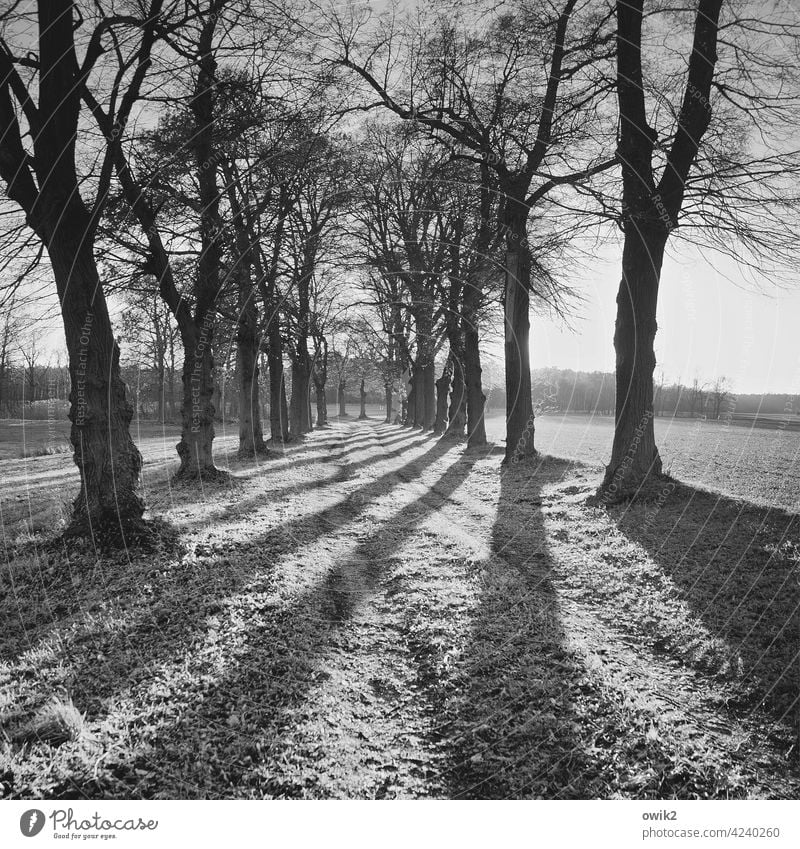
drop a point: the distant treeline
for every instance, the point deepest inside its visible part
(37, 391)
(34, 390)
(568, 391)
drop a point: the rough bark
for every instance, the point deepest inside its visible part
(340, 398)
(108, 505)
(651, 211)
(248, 337)
(300, 404)
(519, 406)
(251, 434)
(196, 446)
(46, 187)
(634, 455)
(476, 400)
(278, 408)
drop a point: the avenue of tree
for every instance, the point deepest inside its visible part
(343, 204)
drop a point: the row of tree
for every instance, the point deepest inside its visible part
(280, 182)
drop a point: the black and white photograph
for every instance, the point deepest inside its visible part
(399, 400)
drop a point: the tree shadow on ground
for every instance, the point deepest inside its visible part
(242, 506)
(104, 627)
(267, 681)
(510, 719)
(526, 715)
(737, 566)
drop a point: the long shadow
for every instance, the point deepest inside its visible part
(267, 681)
(524, 716)
(345, 473)
(295, 463)
(509, 724)
(154, 625)
(737, 566)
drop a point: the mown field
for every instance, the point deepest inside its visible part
(754, 464)
(378, 614)
(757, 464)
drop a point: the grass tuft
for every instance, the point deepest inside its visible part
(58, 722)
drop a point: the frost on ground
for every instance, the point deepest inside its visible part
(374, 614)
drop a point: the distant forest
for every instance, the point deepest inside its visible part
(34, 389)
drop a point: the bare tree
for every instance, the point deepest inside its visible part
(40, 103)
(517, 93)
(707, 163)
(718, 395)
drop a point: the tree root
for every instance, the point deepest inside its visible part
(110, 532)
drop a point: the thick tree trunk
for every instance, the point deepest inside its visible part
(251, 434)
(363, 394)
(108, 505)
(442, 387)
(476, 400)
(278, 410)
(634, 456)
(299, 406)
(195, 448)
(388, 396)
(519, 407)
(340, 397)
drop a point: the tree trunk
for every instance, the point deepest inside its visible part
(458, 409)
(161, 389)
(634, 456)
(519, 407)
(340, 396)
(475, 399)
(195, 448)
(108, 504)
(299, 406)
(388, 396)
(278, 412)
(363, 395)
(476, 427)
(442, 386)
(429, 388)
(251, 434)
(322, 403)
(416, 400)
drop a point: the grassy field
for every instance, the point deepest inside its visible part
(377, 614)
(755, 464)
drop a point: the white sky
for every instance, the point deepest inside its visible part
(710, 324)
(708, 327)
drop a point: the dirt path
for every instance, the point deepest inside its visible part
(378, 615)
